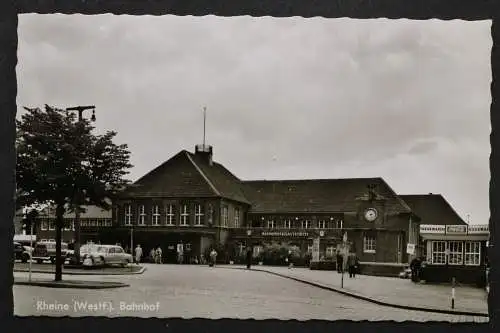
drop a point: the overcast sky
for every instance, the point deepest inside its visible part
(286, 98)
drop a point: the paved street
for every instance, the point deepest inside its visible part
(199, 291)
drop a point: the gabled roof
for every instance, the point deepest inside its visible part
(91, 212)
(318, 195)
(189, 175)
(432, 209)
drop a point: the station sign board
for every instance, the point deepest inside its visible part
(456, 229)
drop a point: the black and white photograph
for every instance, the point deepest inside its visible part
(242, 167)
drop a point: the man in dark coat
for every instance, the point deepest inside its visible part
(249, 258)
(351, 265)
(340, 262)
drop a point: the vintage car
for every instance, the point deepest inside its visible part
(21, 252)
(102, 255)
(46, 250)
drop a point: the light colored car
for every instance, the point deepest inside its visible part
(101, 255)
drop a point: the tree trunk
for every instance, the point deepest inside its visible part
(59, 224)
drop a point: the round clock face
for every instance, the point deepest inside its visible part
(371, 214)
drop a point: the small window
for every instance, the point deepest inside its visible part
(472, 253)
(270, 224)
(287, 224)
(322, 224)
(369, 244)
(439, 252)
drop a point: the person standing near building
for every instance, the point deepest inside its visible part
(159, 253)
(213, 257)
(289, 259)
(138, 254)
(351, 264)
(340, 261)
(152, 255)
(249, 257)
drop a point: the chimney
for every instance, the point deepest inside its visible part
(205, 152)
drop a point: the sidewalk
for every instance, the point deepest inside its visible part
(397, 292)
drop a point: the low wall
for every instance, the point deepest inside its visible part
(323, 265)
(470, 275)
(381, 269)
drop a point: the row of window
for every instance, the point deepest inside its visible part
(50, 224)
(305, 224)
(455, 253)
(170, 216)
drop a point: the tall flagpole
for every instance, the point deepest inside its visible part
(204, 122)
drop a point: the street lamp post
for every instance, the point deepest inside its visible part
(80, 110)
(344, 245)
(249, 261)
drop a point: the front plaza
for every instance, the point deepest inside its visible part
(193, 203)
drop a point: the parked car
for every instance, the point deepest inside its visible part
(47, 251)
(21, 253)
(405, 274)
(101, 255)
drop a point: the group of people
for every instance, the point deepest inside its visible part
(352, 263)
(156, 255)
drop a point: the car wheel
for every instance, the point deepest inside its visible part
(39, 261)
(125, 263)
(25, 258)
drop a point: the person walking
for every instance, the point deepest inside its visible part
(340, 261)
(138, 254)
(159, 252)
(289, 259)
(249, 257)
(213, 257)
(351, 264)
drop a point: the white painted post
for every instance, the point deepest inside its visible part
(453, 292)
(31, 251)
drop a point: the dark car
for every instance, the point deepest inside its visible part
(47, 251)
(20, 252)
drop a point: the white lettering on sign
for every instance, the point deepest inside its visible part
(284, 234)
(456, 229)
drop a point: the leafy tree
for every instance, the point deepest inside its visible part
(61, 162)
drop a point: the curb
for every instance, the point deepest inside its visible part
(89, 272)
(80, 285)
(368, 299)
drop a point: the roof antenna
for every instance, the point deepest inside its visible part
(204, 124)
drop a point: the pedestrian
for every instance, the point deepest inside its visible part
(289, 259)
(415, 266)
(351, 265)
(249, 257)
(152, 255)
(159, 253)
(213, 257)
(138, 254)
(340, 262)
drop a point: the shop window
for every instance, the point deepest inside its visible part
(369, 244)
(455, 253)
(439, 252)
(170, 211)
(330, 251)
(142, 215)
(472, 253)
(155, 213)
(128, 214)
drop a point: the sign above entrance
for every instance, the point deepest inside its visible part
(456, 229)
(285, 233)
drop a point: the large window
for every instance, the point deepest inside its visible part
(472, 253)
(306, 224)
(330, 251)
(225, 217)
(287, 224)
(456, 253)
(236, 217)
(156, 215)
(52, 224)
(439, 252)
(270, 224)
(128, 214)
(170, 214)
(322, 224)
(142, 215)
(340, 224)
(44, 224)
(184, 215)
(198, 215)
(369, 244)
